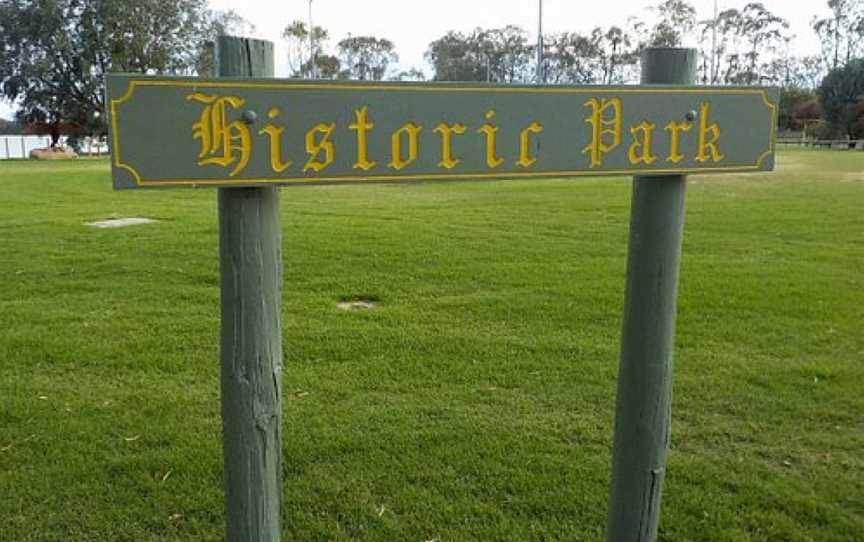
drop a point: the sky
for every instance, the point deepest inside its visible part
(411, 25)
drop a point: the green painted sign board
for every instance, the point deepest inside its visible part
(248, 132)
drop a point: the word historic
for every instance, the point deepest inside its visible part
(229, 143)
(287, 132)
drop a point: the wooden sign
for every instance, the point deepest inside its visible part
(249, 135)
(242, 132)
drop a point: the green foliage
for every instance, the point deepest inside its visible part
(229, 23)
(9, 127)
(500, 55)
(412, 74)
(476, 401)
(746, 41)
(507, 53)
(301, 61)
(797, 106)
(503, 55)
(572, 58)
(750, 50)
(57, 52)
(327, 67)
(856, 118)
(618, 50)
(458, 57)
(841, 33)
(218, 23)
(365, 58)
(841, 95)
(790, 71)
(604, 56)
(677, 18)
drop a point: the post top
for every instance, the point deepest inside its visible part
(668, 66)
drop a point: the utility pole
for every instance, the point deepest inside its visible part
(713, 45)
(312, 69)
(539, 74)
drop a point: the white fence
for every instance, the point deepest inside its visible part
(15, 146)
(18, 146)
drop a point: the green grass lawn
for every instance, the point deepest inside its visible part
(476, 402)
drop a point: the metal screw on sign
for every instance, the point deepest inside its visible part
(249, 116)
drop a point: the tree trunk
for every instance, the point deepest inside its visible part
(55, 134)
(836, 44)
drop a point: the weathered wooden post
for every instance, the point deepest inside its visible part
(250, 252)
(244, 134)
(645, 376)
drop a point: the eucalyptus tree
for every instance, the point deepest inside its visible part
(747, 41)
(456, 56)
(506, 53)
(719, 40)
(676, 20)
(220, 23)
(763, 32)
(842, 97)
(572, 58)
(365, 57)
(618, 52)
(500, 55)
(808, 71)
(411, 74)
(304, 53)
(841, 33)
(230, 23)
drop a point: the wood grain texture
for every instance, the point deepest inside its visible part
(644, 401)
(250, 240)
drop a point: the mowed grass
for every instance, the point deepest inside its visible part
(476, 402)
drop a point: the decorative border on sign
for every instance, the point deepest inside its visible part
(140, 181)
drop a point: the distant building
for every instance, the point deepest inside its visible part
(53, 130)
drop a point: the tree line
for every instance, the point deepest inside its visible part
(748, 46)
(55, 54)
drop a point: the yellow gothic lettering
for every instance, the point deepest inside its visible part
(640, 150)
(492, 159)
(362, 125)
(447, 131)
(704, 144)
(525, 158)
(222, 143)
(603, 127)
(412, 131)
(675, 129)
(314, 148)
(275, 133)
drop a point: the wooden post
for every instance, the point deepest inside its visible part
(250, 241)
(6, 140)
(645, 375)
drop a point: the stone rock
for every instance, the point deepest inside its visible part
(55, 153)
(121, 222)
